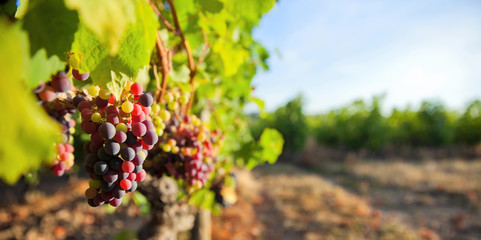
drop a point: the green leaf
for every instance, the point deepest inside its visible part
(108, 20)
(136, 47)
(203, 198)
(212, 6)
(232, 55)
(271, 141)
(50, 25)
(41, 68)
(27, 134)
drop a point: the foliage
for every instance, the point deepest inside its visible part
(468, 127)
(208, 46)
(289, 120)
(359, 126)
(27, 133)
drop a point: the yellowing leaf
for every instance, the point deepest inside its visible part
(27, 134)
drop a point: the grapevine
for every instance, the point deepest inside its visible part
(158, 95)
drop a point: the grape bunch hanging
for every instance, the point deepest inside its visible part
(54, 97)
(187, 149)
(121, 133)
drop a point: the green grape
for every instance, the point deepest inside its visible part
(127, 107)
(173, 105)
(96, 117)
(121, 127)
(164, 115)
(155, 108)
(104, 94)
(184, 99)
(93, 90)
(168, 97)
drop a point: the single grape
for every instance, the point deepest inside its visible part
(80, 76)
(107, 130)
(104, 94)
(116, 202)
(128, 167)
(137, 110)
(168, 97)
(77, 99)
(83, 105)
(112, 148)
(141, 175)
(121, 127)
(48, 94)
(127, 153)
(96, 117)
(95, 184)
(146, 100)
(61, 83)
(139, 129)
(120, 137)
(136, 89)
(101, 167)
(164, 115)
(101, 103)
(125, 184)
(90, 193)
(93, 91)
(127, 107)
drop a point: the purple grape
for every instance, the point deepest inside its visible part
(150, 138)
(80, 76)
(127, 153)
(112, 148)
(101, 168)
(107, 130)
(61, 83)
(101, 103)
(146, 100)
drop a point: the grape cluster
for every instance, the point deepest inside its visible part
(121, 133)
(54, 98)
(187, 149)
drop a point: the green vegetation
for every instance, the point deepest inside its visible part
(362, 125)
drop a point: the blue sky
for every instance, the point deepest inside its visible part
(334, 52)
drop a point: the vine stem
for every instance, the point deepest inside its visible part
(190, 57)
(166, 23)
(163, 56)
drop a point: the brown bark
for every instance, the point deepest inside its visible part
(168, 217)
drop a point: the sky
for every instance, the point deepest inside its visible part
(335, 52)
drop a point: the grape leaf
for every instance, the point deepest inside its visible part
(107, 19)
(134, 53)
(50, 25)
(271, 141)
(27, 134)
(41, 68)
(267, 149)
(212, 6)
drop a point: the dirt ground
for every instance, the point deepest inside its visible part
(360, 200)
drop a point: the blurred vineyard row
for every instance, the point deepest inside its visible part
(363, 125)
